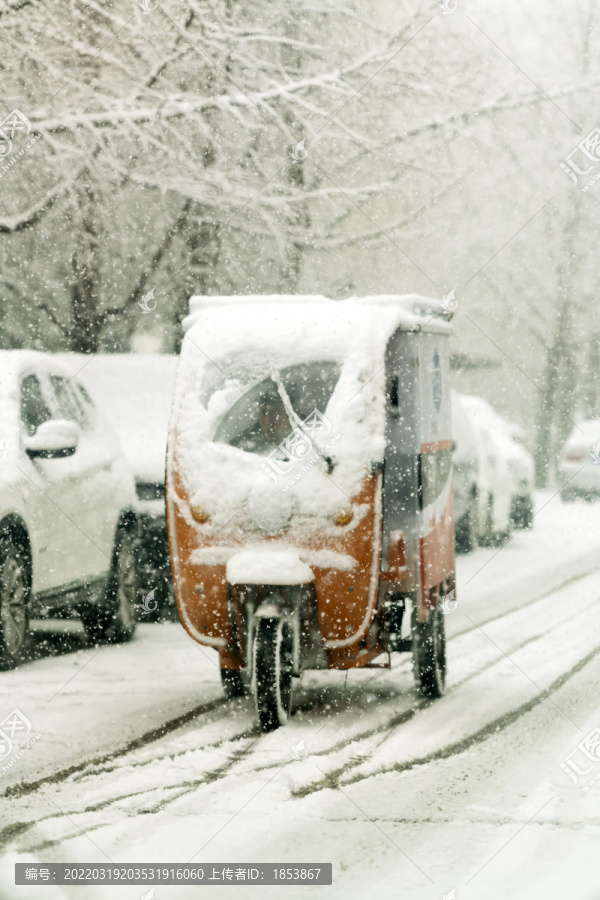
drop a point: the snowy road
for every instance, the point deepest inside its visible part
(141, 759)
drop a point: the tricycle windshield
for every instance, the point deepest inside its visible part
(265, 422)
(266, 413)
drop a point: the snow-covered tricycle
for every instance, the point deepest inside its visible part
(309, 488)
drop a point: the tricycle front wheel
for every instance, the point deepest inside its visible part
(273, 666)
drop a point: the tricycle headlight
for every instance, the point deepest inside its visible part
(343, 515)
(199, 514)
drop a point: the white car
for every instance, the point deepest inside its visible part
(135, 389)
(68, 523)
(466, 466)
(494, 490)
(522, 472)
(579, 467)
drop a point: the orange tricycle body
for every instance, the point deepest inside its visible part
(309, 487)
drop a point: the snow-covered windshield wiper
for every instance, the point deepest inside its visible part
(296, 421)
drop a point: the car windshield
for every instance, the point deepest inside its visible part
(258, 421)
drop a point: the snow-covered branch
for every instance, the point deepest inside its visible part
(28, 217)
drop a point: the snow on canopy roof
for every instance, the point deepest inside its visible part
(308, 326)
(233, 342)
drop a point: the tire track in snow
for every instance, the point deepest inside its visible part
(554, 589)
(170, 755)
(28, 787)
(498, 724)
(210, 777)
(17, 829)
(332, 780)
(222, 771)
(387, 729)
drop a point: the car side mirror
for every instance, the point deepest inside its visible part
(54, 439)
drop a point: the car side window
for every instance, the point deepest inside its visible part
(67, 401)
(85, 401)
(34, 409)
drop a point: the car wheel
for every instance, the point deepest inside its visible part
(154, 571)
(14, 602)
(116, 621)
(523, 511)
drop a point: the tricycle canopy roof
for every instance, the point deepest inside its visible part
(257, 374)
(302, 327)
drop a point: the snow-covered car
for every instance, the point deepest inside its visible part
(579, 466)
(494, 490)
(466, 466)
(494, 473)
(522, 472)
(135, 389)
(68, 522)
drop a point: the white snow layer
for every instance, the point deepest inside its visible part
(268, 567)
(134, 391)
(467, 792)
(324, 559)
(233, 343)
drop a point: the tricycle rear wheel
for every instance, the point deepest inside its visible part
(429, 654)
(273, 666)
